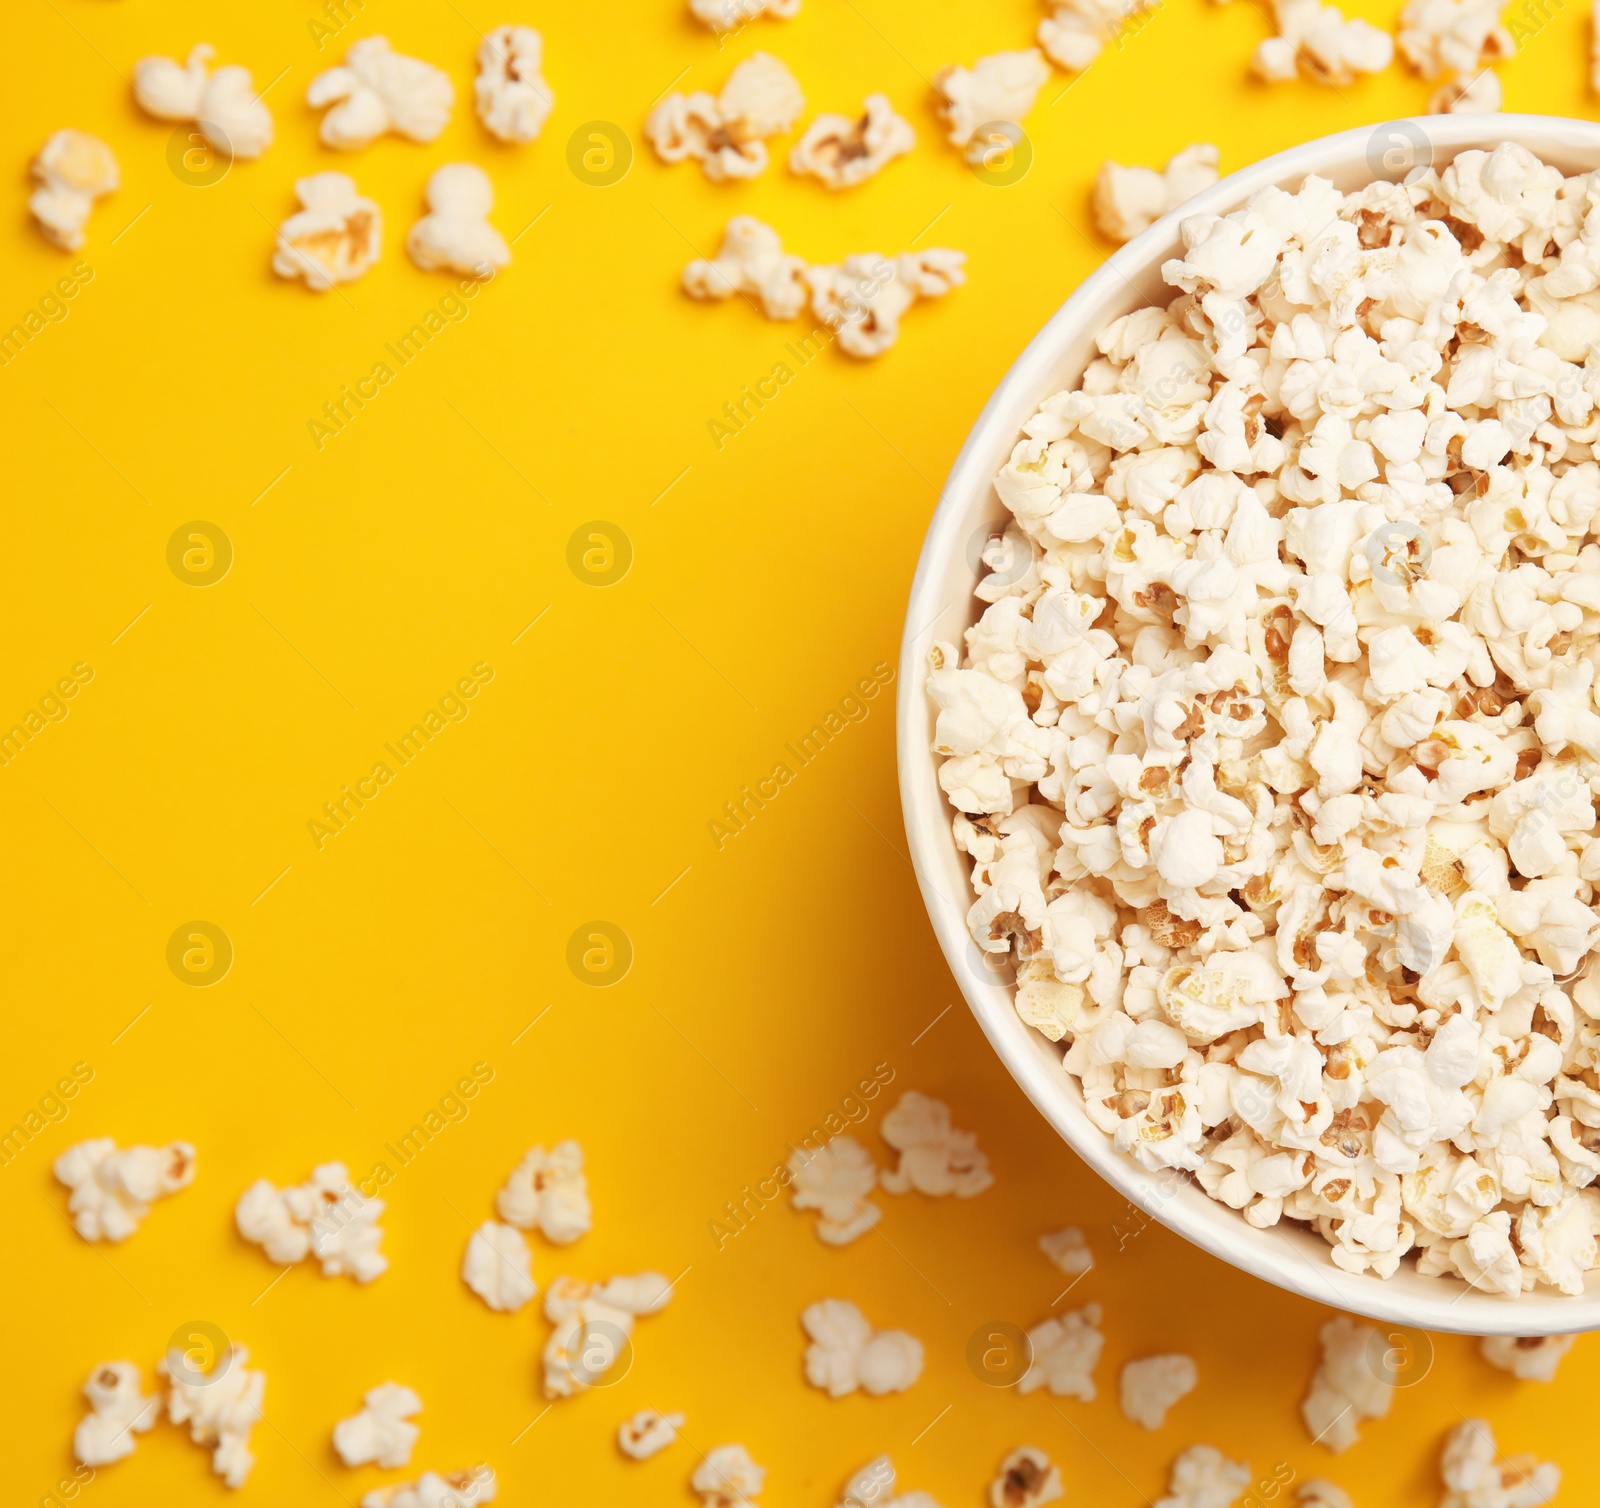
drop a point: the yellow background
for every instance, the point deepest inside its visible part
(769, 976)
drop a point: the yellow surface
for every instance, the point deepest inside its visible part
(431, 536)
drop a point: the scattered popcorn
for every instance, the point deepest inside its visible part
(1477, 1480)
(497, 1267)
(376, 90)
(1533, 1358)
(112, 1190)
(381, 1432)
(1068, 1250)
(1475, 94)
(120, 1411)
(835, 1180)
(458, 1489)
(1076, 31)
(512, 97)
(593, 1325)
(1063, 1354)
(333, 238)
(1345, 1388)
(845, 1353)
(223, 105)
(73, 169)
(752, 262)
(1202, 1477)
(1321, 1493)
(734, 15)
(1026, 1480)
(648, 1433)
(998, 88)
(935, 1158)
(728, 1478)
(1151, 1385)
(1272, 747)
(727, 134)
(548, 1190)
(326, 1217)
(220, 1408)
(1453, 36)
(864, 297)
(1321, 43)
(456, 232)
(842, 152)
(1127, 201)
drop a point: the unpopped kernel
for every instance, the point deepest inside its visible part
(1533, 1358)
(112, 1190)
(1129, 200)
(1475, 1479)
(1152, 1384)
(1026, 1479)
(846, 1353)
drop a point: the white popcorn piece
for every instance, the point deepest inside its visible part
(512, 97)
(997, 89)
(498, 1268)
(864, 298)
(377, 90)
(456, 1489)
(1063, 1353)
(594, 1326)
(935, 1158)
(727, 1478)
(1068, 1249)
(1453, 36)
(1128, 200)
(326, 1217)
(648, 1433)
(119, 1412)
(1319, 42)
(333, 238)
(1345, 1388)
(1469, 94)
(1202, 1477)
(1477, 1480)
(456, 233)
(112, 1190)
(734, 15)
(223, 105)
(752, 263)
(846, 1353)
(873, 1487)
(836, 1180)
(1153, 1384)
(220, 1408)
(1075, 33)
(1533, 1358)
(727, 135)
(548, 1190)
(72, 170)
(1027, 1479)
(841, 152)
(1319, 1492)
(381, 1432)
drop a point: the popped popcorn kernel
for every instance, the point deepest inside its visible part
(593, 1324)
(727, 135)
(735, 15)
(223, 105)
(1533, 1358)
(381, 1433)
(220, 1407)
(753, 263)
(935, 1158)
(1321, 1493)
(1026, 1479)
(1468, 94)
(873, 1487)
(377, 90)
(1453, 36)
(1476, 1479)
(497, 1267)
(512, 98)
(112, 1189)
(1001, 87)
(1063, 1353)
(456, 233)
(1202, 1477)
(1153, 1384)
(728, 1478)
(333, 238)
(72, 170)
(846, 1353)
(1075, 32)
(841, 152)
(835, 1180)
(648, 1433)
(1068, 1249)
(1319, 42)
(1127, 201)
(455, 1489)
(118, 1412)
(864, 298)
(548, 1190)
(326, 1217)
(1345, 1388)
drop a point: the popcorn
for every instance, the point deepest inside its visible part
(864, 297)
(456, 232)
(835, 1180)
(1475, 94)
(325, 1217)
(376, 90)
(1453, 36)
(73, 169)
(334, 237)
(1321, 1493)
(593, 1323)
(1533, 1358)
(381, 1432)
(1319, 42)
(753, 263)
(1068, 1250)
(648, 1433)
(512, 97)
(112, 1190)
(1076, 31)
(845, 1353)
(935, 1158)
(734, 15)
(727, 1478)
(998, 88)
(1477, 1480)
(497, 1267)
(842, 152)
(1127, 201)
(1027, 1479)
(1151, 1385)
(1345, 1389)
(120, 1411)
(223, 105)
(220, 1407)
(457, 1489)
(1202, 1477)
(1063, 1353)
(727, 134)
(548, 1189)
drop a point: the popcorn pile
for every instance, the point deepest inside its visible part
(1274, 747)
